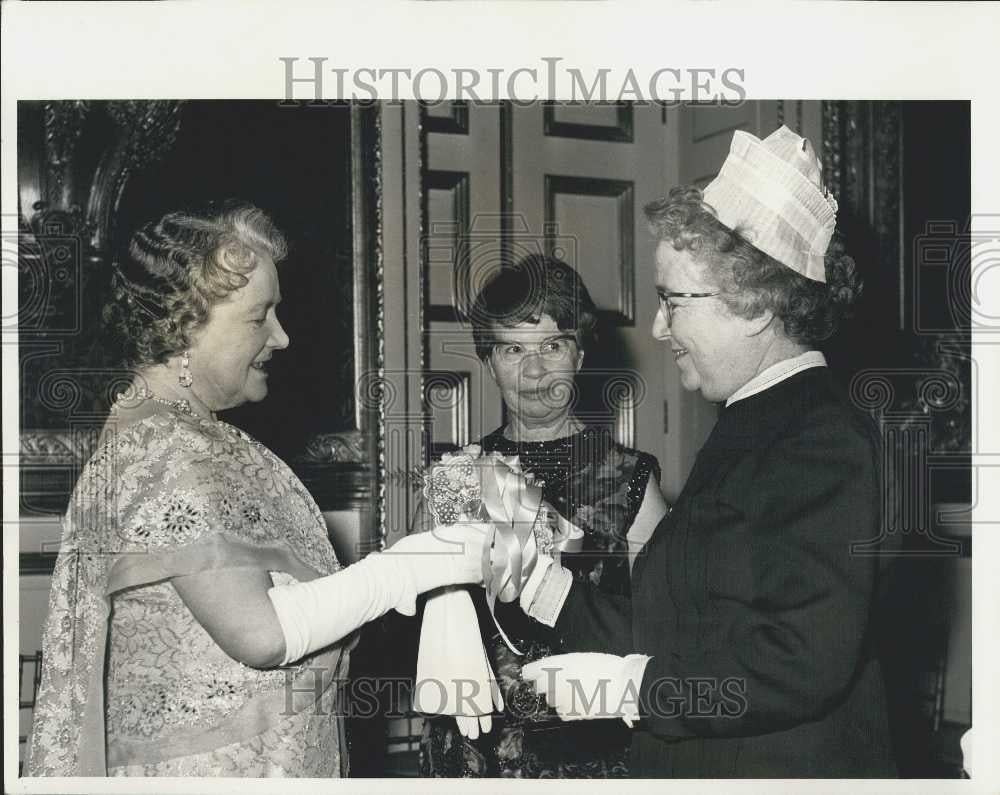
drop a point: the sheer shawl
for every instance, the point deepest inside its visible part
(167, 496)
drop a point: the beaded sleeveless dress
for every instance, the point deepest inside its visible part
(132, 684)
(598, 485)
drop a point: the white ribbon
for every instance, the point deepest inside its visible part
(454, 676)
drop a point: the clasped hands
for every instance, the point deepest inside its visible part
(445, 555)
(578, 686)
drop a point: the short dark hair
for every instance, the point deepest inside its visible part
(751, 281)
(536, 285)
(177, 268)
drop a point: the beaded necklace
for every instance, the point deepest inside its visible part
(551, 460)
(142, 394)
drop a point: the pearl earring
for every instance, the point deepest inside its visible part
(185, 379)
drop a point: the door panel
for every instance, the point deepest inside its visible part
(462, 246)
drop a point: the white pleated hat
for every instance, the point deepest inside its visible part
(772, 192)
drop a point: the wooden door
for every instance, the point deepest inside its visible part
(462, 242)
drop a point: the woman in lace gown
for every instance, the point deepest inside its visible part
(199, 622)
(532, 324)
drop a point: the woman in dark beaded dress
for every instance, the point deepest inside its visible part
(532, 324)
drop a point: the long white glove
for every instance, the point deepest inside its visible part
(587, 685)
(454, 676)
(317, 613)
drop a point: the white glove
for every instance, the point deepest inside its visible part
(446, 555)
(584, 686)
(454, 676)
(317, 613)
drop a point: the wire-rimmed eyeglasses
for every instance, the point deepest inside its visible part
(552, 350)
(665, 297)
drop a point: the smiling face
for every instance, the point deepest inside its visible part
(229, 353)
(534, 365)
(716, 351)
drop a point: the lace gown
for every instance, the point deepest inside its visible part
(598, 485)
(132, 685)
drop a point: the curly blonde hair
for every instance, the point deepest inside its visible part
(751, 282)
(177, 268)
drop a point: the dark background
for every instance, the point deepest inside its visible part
(293, 162)
(936, 193)
(915, 616)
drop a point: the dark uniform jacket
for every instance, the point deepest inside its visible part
(754, 597)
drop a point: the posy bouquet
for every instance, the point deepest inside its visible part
(453, 673)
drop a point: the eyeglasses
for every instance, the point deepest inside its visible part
(665, 297)
(553, 350)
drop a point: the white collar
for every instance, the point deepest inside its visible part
(776, 373)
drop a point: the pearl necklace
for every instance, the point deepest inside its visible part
(142, 394)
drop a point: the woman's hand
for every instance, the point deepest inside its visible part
(314, 614)
(446, 555)
(589, 685)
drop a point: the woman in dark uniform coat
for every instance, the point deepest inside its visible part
(745, 650)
